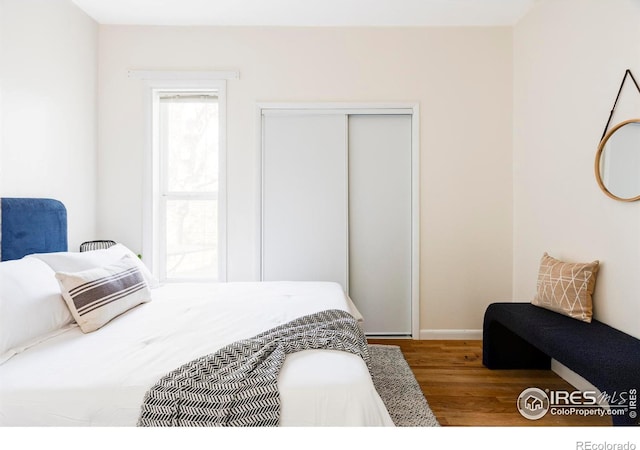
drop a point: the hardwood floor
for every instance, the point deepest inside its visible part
(462, 392)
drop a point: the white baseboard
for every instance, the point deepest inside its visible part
(574, 379)
(454, 335)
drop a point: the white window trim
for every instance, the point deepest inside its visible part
(151, 207)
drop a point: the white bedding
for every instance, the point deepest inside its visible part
(100, 378)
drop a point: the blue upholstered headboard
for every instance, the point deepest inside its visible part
(32, 225)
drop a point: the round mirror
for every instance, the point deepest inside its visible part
(618, 162)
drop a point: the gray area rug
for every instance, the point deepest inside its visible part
(399, 388)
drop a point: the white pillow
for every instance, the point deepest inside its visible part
(31, 307)
(78, 261)
(95, 296)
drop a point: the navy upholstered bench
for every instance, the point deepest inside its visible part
(524, 336)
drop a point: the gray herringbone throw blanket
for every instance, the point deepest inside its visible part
(237, 385)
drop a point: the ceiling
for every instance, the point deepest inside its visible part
(307, 12)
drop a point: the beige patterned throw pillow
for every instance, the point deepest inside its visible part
(566, 288)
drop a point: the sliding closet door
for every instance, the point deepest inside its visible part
(304, 197)
(380, 221)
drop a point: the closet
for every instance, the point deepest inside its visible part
(339, 203)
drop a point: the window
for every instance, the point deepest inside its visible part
(188, 185)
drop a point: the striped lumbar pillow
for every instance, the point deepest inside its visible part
(96, 296)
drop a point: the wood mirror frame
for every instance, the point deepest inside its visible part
(598, 162)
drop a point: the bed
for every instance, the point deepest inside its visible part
(55, 373)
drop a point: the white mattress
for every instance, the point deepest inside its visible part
(99, 379)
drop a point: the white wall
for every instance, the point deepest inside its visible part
(569, 59)
(552, 85)
(461, 77)
(48, 51)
